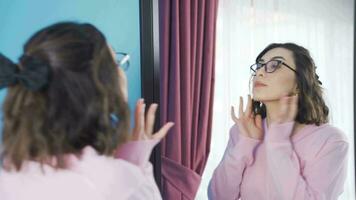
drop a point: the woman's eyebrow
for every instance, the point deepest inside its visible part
(280, 57)
(275, 57)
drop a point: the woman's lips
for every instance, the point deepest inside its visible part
(259, 84)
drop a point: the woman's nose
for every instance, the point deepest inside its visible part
(261, 71)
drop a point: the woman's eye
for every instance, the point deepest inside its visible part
(274, 65)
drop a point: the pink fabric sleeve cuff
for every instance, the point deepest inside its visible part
(280, 132)
(245, 147)
(137, 152)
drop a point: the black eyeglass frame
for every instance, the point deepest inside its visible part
(280, 62)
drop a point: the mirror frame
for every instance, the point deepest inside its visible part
(150, 69)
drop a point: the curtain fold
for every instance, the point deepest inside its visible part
(187, 51)
(179, 178)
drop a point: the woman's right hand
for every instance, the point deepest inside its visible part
(143, 129)
(248, 124)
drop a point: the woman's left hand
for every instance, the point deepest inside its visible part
(143, 129)
(288, 109)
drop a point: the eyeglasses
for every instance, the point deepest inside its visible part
(270, 66)
(123, 60)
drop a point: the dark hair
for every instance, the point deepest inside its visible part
(75, 108)
(311, 106)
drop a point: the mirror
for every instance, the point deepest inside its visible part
(245, 28)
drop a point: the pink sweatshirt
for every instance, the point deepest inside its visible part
(309, 166)
(92, 177)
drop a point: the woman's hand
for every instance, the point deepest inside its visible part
(248, 124)
(143, 129)
(288, 109)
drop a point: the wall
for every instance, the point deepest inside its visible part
(117, 19)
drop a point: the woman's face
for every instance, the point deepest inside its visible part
(276, 84)
(122, 77)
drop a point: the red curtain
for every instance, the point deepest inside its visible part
(187, 51)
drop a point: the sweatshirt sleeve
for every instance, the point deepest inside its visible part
(138, 153)
(226, 179)
(321, 179)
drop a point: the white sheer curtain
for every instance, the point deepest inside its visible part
(325, 28)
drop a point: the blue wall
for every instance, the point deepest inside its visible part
(117, 19)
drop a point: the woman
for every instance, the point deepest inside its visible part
(282, 147)
(66, 122)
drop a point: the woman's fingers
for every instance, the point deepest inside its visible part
(249, 106)
(284, 108)
(258, 121)
(139, 119)
(289, 108)
(233, 115)
(245, 118)
(163, 131)
(294, 107)
(241, 105)
(242, 114)
(143, 128)
(150, 119)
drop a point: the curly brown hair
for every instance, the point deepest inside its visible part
(311, 105)
(74, 109)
